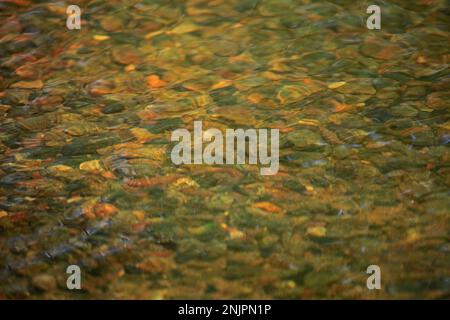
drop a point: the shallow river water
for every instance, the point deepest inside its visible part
(86, 178)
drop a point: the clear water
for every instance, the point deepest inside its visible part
(86, 177)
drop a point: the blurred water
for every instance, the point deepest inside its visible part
(85, 170)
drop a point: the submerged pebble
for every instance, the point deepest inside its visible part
(86, 177)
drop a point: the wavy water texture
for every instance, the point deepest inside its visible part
(86, 178)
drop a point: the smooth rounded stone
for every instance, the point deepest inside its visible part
(380, 83)
(415, 92)
(293, 93)
(403, 110)
(28, 71)
(80, 128)
(39, 123)
(180, 106)
(135, 168)
(381, 49)
(125, 55)
(221, 201)
(397, 125)
(345, 169)
(33, 84)
(305, 138)
(342, 152)
(77, 102)
(203, 58)
(113, 107)
(367, 172)
(314, 62)
(224, 48)
(101, 87)
(111, 23)
(149, 26)
(89, 144)
(255, 81)
(44, 282)
(359, 87)
(438, 100)
(387, 95)
(423, 138)
(48, 103)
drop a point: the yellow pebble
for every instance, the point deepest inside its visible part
(336, 85)
(130, 67)
(99, 37)
(316, 231)
(309, 122)
(91, 165)
(140, 215)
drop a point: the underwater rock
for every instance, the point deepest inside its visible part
(44, 282)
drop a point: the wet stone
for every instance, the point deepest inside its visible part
(111, 24)
(87, 178)
(403, 110)
(44, 282)
(224, 48)
(125, 55)
(113, 107)
(304, 138)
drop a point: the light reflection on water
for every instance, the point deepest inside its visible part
(86, 176)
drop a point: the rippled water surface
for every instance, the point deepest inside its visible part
(86, 177)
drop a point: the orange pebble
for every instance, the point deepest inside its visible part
(104, 210)
(267, 206)
(154, 81)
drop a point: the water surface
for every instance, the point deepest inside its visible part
(85, 170)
